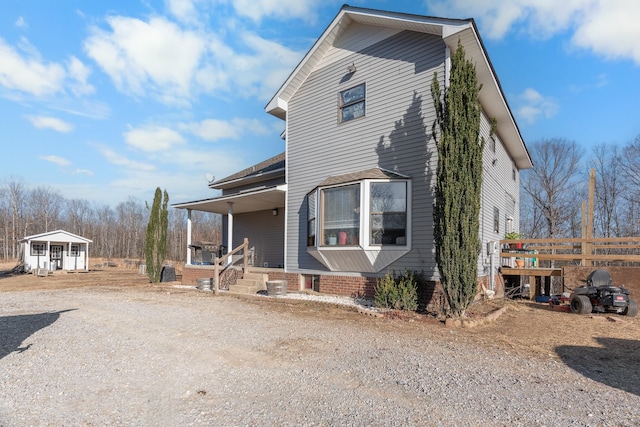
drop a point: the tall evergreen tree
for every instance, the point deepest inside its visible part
(459, 182)
(155, 244)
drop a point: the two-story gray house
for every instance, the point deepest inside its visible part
(352, 196)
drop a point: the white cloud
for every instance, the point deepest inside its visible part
(183, 10)
(83, 172)
(153, 138)
(610, 28)
(79, 74)
(21, 22)
(60, 161)
(213, 129)
(283, 9)
(533, 105)
(174, 64)
(117, 159)
(139, 56)
(46, 122)
(606, 27)
(30, 73)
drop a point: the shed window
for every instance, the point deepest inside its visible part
(37, 249)
(75, 250)
(352, 103)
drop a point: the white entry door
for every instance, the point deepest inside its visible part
(56, 257)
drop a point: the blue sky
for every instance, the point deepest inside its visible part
(108, 100)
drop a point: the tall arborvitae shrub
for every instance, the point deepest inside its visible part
(155, 244)
(459, 182)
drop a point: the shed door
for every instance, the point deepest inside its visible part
(56, 256)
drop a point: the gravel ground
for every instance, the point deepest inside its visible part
(131, 357)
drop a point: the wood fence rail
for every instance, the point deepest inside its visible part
(586, 251)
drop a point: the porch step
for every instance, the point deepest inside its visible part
(251, 283)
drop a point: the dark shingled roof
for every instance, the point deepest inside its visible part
(374, 173)
(272, 164)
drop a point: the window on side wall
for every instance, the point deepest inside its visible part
(496, 220)
(75, 250)
(352, 103)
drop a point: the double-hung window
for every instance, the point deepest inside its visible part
(75, 250)
(352, 103)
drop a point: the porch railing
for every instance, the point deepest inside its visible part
(226, 261)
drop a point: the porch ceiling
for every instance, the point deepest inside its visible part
(250, 201)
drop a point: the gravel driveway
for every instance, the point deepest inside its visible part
(96, 357)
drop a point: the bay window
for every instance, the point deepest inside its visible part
(368, 213)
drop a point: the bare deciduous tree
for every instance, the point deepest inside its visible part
(553, 185)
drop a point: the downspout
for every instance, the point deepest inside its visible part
(447, 66)
(188, 236)
(229, 229)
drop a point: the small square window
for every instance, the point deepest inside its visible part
(352, 103)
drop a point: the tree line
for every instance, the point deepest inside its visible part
(116, 232)
(552, 192)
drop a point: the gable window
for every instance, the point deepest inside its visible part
(75, 250)
(388, 223)
(37, 249)
(352, 103)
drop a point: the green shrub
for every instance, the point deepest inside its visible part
(397, 293)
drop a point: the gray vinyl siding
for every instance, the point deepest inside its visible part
(499, 190)
(395, 133)
(265, 233)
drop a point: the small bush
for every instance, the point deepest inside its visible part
(397, 293)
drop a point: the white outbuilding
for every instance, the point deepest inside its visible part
(55, 250)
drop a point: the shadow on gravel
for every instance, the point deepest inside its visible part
(614, 364)
(15, 329)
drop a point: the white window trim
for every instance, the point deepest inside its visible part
(365, 218)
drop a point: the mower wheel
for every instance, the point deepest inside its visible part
(632, 308)
(580, 304)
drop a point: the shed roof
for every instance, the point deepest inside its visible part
(56, 236)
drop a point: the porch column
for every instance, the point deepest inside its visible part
(229, 229)
(188, 236)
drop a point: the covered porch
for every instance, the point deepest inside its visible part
(254, 215)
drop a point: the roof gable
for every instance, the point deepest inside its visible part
(452, 31)
(57, 236)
